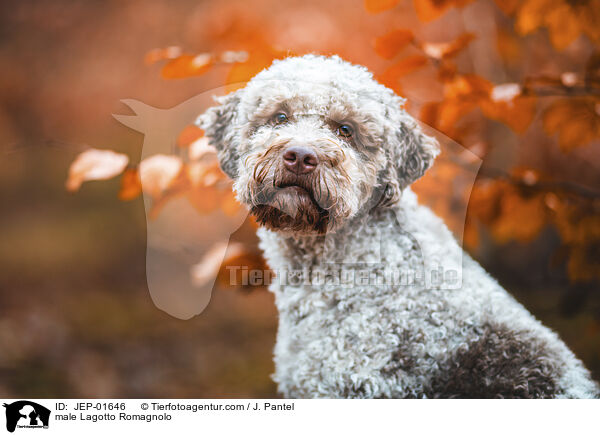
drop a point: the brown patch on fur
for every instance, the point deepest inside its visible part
(402, 359)
(353, 392)
(307, 219)
(500, 364)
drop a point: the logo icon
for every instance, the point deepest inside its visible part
(26, 414)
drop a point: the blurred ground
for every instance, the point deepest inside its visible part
(76, 319)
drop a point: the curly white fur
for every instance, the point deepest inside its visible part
(454, 334)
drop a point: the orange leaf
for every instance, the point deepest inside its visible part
(508, 6)
(576, 120)
(187, 65)
(428, 10)
(196, 171)
(451, 111)
(485, 198)
(507, 106)
(177, 186)
(574, 134)
(565, 20)
(508, 45)
(376, 6)
(563, 25)
(557, 114)
(200, 148)
(405, 66)
(131, 186)
(444, 50)
(430, 113)
(158, 172)
(520, 218)
(468, 86)
(530, 16)
(242, 267)
(509, 215)
(590, 19)
(390, 44)
(447, 72)
(441, 190)
(95, 164)
(202, 173)
(462, 94)
(188, 135)
(207, 269)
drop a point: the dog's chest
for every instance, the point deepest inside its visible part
(365, 345)
(356, 337)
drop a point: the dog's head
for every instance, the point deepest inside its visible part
(312, 141)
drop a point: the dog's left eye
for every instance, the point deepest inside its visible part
(280, 118)
(345, 130)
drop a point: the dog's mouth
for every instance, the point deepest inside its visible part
(294, 208)
(298, 189)
(301, 191)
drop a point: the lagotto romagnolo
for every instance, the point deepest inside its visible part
(323, 156)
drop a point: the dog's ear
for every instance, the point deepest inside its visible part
(417, 152)
(219, 124)
(410, 154)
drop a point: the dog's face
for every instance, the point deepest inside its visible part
(312, 141)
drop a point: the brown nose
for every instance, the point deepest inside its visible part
(300, 160)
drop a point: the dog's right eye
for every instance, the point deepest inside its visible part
(280, 118)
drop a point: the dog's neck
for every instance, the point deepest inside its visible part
(313, 250)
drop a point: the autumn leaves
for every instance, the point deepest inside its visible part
(516, 204)
(194, 175)
(552, 102)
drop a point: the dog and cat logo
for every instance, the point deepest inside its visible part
(26, 414)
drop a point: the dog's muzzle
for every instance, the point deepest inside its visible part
(294, 201)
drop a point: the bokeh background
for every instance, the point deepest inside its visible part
(517, 83)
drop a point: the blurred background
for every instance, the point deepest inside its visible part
(517, 83)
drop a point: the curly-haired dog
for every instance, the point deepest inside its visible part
(323, 156)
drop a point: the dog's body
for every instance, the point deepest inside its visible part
(323, 156)
(409, 340)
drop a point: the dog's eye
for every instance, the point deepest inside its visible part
(280, 118)
(345, 130)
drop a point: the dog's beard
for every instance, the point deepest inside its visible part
(284, 202)
(308, 218)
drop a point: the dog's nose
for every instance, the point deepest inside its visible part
(300, 160)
